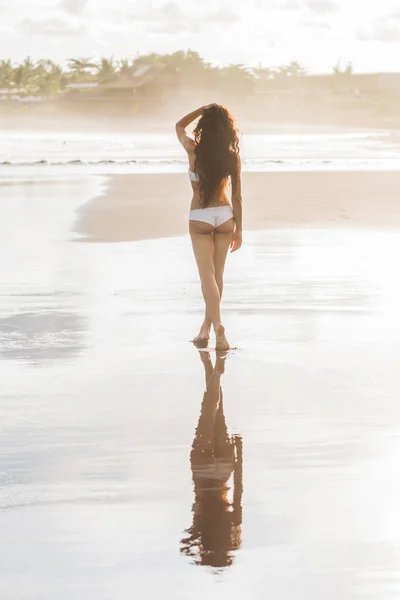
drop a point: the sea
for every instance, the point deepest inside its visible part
(30, 151)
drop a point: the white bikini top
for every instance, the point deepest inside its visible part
(193, 176)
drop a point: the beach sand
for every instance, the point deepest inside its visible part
(138, 207)
(101, 393)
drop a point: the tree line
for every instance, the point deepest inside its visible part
(46, 77)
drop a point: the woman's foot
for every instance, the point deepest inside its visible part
(222, 343)
(201, 341)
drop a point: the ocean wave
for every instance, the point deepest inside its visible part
(81, 162)
(161, 161)
(250, 162)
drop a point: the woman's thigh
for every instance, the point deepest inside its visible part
(203, 247)
(222, 241)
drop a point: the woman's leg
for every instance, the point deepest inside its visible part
(202, 241)
(221, 241)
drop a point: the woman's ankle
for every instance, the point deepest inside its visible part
(219, 328)
(206, 324)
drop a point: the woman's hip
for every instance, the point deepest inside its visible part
(213, 215)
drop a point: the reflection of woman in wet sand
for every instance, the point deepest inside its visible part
(215, 457)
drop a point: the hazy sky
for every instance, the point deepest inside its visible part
(316, 32)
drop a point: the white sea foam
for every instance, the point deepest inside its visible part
(160, 153)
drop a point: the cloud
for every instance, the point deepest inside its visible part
(291, 5)
(171, 10)
(49, 26)
(222, 16)
(279, 4)
(322, 7)
(174, 29)
(168, 12)
(168, 19)
(6, 30)
(395, 14)
(74, 7)
(387, 34)
(316, 24)
(383, 29)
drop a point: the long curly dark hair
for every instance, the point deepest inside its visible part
(217, 151)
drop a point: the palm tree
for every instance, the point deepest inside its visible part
(238, 71)
(106, 70)
(24, 74)
(50, 77)
(264, 72)
(337, 69)
(236, 79)
(293, 69)
(150, 59)
(188, 63)
(6, 74)
(347, 70)
(125, 68)
(80, 69)
(296, 69)
(184, 61)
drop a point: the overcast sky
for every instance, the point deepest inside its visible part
(317, 33)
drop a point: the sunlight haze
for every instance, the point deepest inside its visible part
(318, 33)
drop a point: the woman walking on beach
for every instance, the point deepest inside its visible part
(214, 223)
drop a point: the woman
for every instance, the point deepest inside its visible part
(214, 223)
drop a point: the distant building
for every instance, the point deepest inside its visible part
(19, 96)
(82, 86)
(12, 91)
(122, 94)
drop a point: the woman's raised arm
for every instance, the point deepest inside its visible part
(180, 127)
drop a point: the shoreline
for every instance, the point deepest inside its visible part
(52, 121)
(139, 207)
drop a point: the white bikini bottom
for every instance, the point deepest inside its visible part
(213, 215)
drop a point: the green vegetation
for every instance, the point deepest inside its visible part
(46, 78)
(275, 94)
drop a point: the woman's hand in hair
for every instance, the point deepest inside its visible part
(237, 240)
(187, 119)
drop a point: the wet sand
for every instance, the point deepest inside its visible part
(104, 484)
(137, 207)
